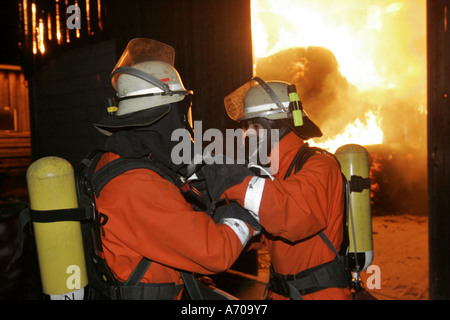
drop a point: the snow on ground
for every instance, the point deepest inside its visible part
(401, 253)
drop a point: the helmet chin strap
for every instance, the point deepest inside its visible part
(183, 107)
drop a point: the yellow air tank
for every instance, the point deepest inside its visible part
(354, 161)
(51, 186)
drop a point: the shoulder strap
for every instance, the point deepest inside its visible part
(138, 272)
(303, 155)
(191, 285)
(102, 176)
(119, 166)
(300, 159)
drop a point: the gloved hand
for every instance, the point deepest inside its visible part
(234, 210)
(220, 177)
(198, 184)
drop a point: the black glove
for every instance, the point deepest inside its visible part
(198, 186)
(220, 177)
(234, 210)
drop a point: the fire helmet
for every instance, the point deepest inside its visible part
(270, 100)
(146, 84)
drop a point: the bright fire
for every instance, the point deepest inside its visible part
(357, 132)
(380, 49)
(55, 22)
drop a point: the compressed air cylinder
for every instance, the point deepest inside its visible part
(51, 186)
(354, 161)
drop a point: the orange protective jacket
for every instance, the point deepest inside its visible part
(148, 216)
(293, 211)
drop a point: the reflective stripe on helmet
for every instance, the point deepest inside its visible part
(144, 76)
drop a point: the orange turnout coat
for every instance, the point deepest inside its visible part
(293, 211)
(148, 217)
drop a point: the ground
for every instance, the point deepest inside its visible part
(400, 251)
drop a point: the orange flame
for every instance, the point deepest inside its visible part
(358, 132)
(380, 48)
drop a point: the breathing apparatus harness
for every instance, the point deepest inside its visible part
(102, 283)
(338, 272)
(90, 183)
(333, 274)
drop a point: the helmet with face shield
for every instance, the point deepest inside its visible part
(268, 111)
(272, 101)
(146, 84)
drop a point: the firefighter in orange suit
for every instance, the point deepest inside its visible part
(299, 211)
(147, 215)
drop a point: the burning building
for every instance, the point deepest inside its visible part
(361, 72)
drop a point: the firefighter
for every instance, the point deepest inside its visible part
(301, 212)
(146, 214)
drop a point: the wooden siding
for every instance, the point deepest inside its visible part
(15, 153)
(15, 140)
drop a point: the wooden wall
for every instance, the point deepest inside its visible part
(15, 144)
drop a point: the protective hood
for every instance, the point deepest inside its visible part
(113, 123)
(153, 140)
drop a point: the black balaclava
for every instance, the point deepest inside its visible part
(154, 140)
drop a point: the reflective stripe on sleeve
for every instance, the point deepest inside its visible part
(253, 196)
(239, 227)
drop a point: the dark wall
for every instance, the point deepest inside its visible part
(212, 40)
(66, 96)
(9, 49)
(439, 148)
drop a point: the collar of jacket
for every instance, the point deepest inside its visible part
(284, 152)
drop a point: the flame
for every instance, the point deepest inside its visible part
(358, 132)
(33, 26)
(58, 23)
(49, 27)
(40, 36)
(380, 48)
(47, 19)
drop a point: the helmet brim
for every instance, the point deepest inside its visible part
(112, 123)
(308, 130)
(266, 107)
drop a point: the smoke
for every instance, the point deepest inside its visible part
(398, 166)
(332, 102)
(326, 95)
(347, 58)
